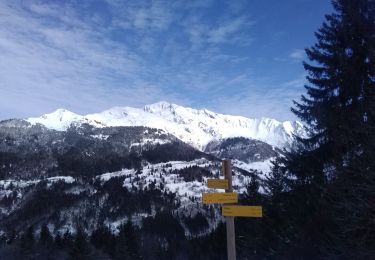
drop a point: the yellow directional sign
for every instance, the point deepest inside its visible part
(242, 211)
(217, 184)
(219, 197)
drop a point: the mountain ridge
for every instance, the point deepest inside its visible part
(196, 127)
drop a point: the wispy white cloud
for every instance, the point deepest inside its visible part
(297, 54)
(279, 59)
(130, 53)
(223, 32)
(228, 31)
(46, 65)
(156, 15)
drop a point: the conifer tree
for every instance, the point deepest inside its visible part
(46, 238)
(339, 106)
(127, 243)
(58, 241)
(103, 239)
(28, 239)
(80, 247)
(332, 171)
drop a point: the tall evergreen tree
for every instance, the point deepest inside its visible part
(339, 108)
(331, 173)
(103, 239)
(28, 239)
(80, 247)
(46, 238)
(127, 242)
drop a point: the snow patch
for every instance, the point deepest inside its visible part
(107, 176)
(262, 166)
(100, 136)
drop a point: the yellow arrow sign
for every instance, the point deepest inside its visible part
(242, 211)
(217, 184)
(219, 197)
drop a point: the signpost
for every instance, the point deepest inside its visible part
(230, 210)
(219, 197)
(217, 184)
(242, 211)
(231, 243)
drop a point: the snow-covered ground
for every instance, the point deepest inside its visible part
(7, 187)
(264, 167)
(162, 175)
(7, 184)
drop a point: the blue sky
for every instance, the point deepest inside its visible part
(234, 57)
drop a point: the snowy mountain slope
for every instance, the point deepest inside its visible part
(61, 119)
(114, 174)
(193, 126)
(183, 181)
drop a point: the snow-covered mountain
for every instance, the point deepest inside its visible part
(193, 126)
(129, 164)
(108, 176)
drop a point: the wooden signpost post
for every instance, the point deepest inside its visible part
(229, 210)
(231, 242)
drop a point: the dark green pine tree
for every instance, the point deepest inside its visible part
(80, 248)
(46, 238)
(340, 102)
(103, 239)
(127, 244)
(331, 172)
(27, 240)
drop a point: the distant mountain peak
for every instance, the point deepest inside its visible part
(60, 112)
(196, 127)
(161, 105)
(60, 119)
